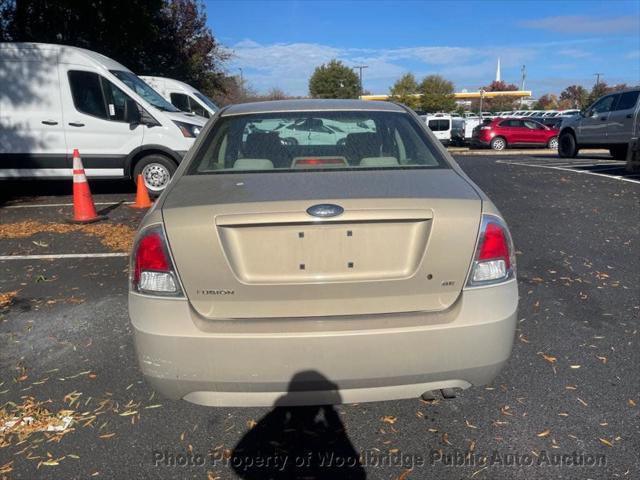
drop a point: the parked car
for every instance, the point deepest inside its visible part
(548, 121)
(611, 122)
(54, 99)
(264, 263)
(569, 113)
(183, 96)
(501, 133)
(440, 125)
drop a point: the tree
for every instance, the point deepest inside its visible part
(193, 55)
(334, 80)
(7, 9)
(404, 91)
(437, 94)
(598, 90)
(546, 102)
(577, 95)
(499, 103)
(151, 37)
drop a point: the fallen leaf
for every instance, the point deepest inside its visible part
(389, 419)
(605, 442)
(405, 474)
(545, 433)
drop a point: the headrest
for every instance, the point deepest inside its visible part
(379, 162)
(253, 164)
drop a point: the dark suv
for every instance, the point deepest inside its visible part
(611, 122)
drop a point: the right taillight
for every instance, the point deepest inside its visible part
(152, 271)
(494, 259)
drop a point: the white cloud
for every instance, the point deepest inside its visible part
(289, 65)
(585, 25)
(633, 55)
(574, 53)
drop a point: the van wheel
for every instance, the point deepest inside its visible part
(553, 143)
(567, 147)
(156, 171)
(498, 143)
(619, 152)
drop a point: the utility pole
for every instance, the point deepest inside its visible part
(360, 68)
(598, 75)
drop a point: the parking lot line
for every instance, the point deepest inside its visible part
(63, 204)
(63, 255)
(574, 170)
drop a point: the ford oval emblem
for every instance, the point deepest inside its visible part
(325, 210)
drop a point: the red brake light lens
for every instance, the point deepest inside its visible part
(493, 261)
(150, 255)
(152, 271)
(494, 245)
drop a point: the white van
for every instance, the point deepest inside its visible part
(55, 98)
(183, 96)
(447, 129)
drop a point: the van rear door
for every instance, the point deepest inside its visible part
(32, 141)
(95, 122)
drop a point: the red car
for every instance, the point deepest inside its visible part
(500, 133)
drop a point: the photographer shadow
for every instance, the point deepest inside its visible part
(296, 442)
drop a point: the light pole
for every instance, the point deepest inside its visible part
(481, 99)
(241, 82)
(360, 68)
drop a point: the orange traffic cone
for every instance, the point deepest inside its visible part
(142, 195)
(84, 211)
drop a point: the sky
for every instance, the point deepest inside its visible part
(279, 43)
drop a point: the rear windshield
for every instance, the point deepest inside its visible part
(315, 141)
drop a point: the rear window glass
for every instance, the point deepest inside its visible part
(315, 141)
(438, 125)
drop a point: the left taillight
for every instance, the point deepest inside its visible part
(494, 259)
(152, 272)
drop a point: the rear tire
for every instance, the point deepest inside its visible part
(553, 143)
(619, 152)
(498, 144)
(156, 171)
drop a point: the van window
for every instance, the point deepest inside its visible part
(198, 109)
(180, 100)
(87, 93)
(97, 96)
(627, 100)
(438, 125)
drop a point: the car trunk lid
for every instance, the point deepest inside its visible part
(246, 247)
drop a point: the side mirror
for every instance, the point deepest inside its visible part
(132, 112)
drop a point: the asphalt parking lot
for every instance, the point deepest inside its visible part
(571, 389)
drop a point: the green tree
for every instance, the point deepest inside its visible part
(499, 104)
(437, 94)
(334, 80)
(405, 90)
(577, 95)
(151, 37)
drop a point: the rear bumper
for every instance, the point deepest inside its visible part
(331, 360)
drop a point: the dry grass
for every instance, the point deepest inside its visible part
(113, 236)
(6, 298)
